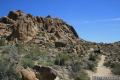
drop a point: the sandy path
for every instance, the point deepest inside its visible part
(101, 69)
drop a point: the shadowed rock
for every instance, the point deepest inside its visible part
(45, 73)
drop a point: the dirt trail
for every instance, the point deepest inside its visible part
(101, 69)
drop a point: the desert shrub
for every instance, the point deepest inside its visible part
(7, 71)
(38, 56)
(46, 62)
(22, 49)
(92, 61)
(92, 57)
(8, 62)
(61, 59)
(35, 53)
(27, 62)
(82, 76)
(76, 66)
(33, 56)
(109, 64)
(116, 69)
(91, 65)
(2, 42)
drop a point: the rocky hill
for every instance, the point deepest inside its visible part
(25, 27)
(46, 47)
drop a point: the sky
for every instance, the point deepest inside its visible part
(94, 20)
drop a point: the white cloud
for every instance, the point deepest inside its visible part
(102, 20)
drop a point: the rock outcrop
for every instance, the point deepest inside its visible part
(25, 27)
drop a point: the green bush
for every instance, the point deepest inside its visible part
(92, 66)
(76, 66)
(27, 62)
(22, 49)
(8, 64)
(61, 59)
(92, 57)
(7, 71)
(108, 64)
(82, 76)
(46, 63)
(2, 42)
(33, 56)
(116, 69)
(92, 61)
(38, 56)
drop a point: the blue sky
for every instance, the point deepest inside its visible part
(94, 20)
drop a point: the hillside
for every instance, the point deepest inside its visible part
(46, 48)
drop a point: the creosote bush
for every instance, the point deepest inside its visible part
(27, 62)
(116, 68)
(8, 62)
(61, 59)
(76, 66)
(2, 42)
(93, 61)
(82, 75)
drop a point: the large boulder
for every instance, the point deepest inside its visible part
(45, 73)
(28, 74)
